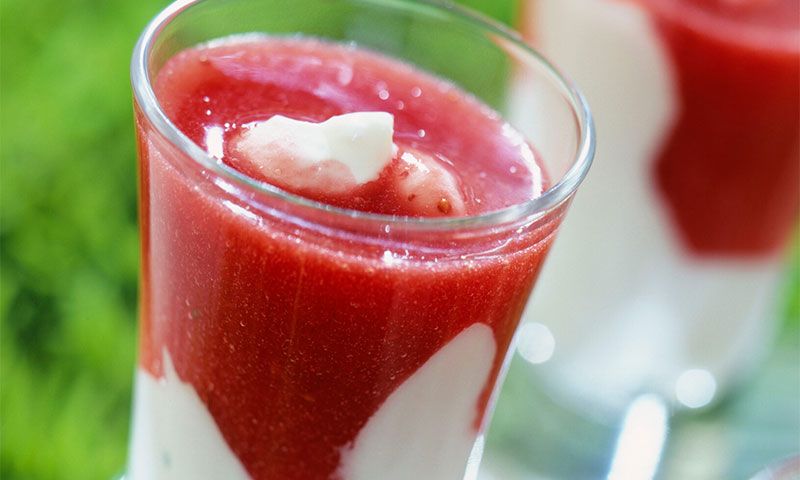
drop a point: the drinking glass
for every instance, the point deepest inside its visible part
(285, 338)
(674, 247)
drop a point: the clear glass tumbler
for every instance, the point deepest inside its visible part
(660, 295)
(285, 338)
(691, 206)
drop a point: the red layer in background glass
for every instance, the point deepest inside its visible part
(729, 167)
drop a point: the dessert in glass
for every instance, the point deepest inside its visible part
(340, 232)
(691, 205)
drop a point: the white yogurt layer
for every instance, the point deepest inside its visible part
(174, 436)
(425, 428)
(618, 269)
(339, 153)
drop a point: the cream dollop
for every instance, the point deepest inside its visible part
(337, 154)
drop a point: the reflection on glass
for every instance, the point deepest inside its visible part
(695, 388)
(536, 343)
(641, 439)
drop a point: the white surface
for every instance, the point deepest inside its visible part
(627, 306)
(174, 436)
(424, 429)
(303, 154)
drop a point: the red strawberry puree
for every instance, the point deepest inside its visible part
(729, 169)
(293, 336)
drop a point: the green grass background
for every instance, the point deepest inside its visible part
(68, 234)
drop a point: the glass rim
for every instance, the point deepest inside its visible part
(538, 206)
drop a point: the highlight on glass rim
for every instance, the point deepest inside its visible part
(400, 239)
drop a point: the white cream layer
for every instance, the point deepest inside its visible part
(425, 428)
(174, 436)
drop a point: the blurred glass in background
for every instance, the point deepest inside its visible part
(662, 292)
(69, 268)
(674, 251)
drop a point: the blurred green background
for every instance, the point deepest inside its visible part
(68, 234)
